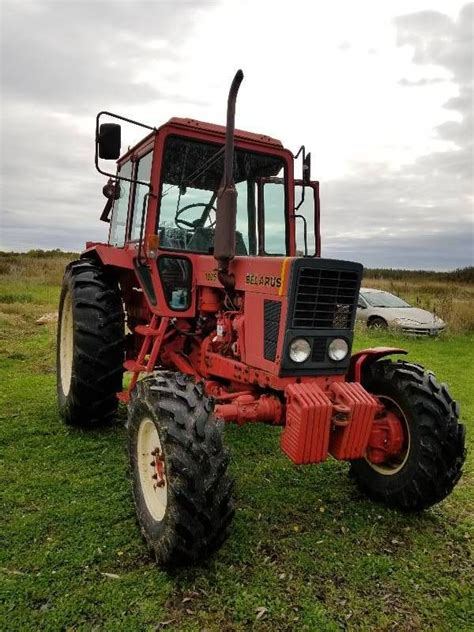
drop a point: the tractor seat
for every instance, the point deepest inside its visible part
(203, 241)
(173, 238)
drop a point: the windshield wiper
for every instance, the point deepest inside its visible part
(202, 168)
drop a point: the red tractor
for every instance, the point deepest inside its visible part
(212, 295)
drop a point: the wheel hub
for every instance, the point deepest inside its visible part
(151, 467)
(158, 466)
(389, 441)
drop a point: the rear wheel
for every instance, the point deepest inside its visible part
(90, 345)
(181, 486)
(429, 462)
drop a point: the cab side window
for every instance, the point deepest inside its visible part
(143, 173)
(274, 217)
(118, 223)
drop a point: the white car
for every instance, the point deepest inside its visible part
(381, 309)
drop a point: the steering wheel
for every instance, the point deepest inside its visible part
(197, 223)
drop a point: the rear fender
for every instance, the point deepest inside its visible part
(109, 255)
(368, 356)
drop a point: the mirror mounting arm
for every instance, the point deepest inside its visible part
(305, 229)
(306, 176)
(116, 176)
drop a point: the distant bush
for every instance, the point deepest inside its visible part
(460, 275)
(43, 267)
(39, 254)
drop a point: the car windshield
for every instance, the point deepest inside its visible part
(383, 299)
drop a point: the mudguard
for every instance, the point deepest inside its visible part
(366, 357)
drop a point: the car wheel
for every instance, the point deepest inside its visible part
(377, 323)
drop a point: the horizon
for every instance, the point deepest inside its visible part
(59, 251)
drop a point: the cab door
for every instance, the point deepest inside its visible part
(118, 222)
(138, 210)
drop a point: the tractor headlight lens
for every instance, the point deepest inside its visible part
(338, 349)
(300, 350)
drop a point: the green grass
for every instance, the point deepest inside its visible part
(305, 545)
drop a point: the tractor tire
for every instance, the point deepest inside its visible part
(377, 322)
(181, 486)
(90, 345)
(434, 453)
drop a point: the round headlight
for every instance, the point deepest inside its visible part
(338, 349)
(300, 350)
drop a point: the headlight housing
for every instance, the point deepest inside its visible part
(338, 349)
(299, 350)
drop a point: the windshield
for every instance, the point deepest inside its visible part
(383, 299)
(191, 175)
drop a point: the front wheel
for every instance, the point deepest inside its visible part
(181, 487)
(432, 452)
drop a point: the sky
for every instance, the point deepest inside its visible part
(380, 92)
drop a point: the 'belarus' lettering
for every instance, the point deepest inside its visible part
(266, 281)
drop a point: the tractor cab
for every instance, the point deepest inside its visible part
(181, 166)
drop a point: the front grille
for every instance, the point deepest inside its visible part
(422, 332)
(271, 327)
(325, 299)
(319, 350)
(322, 300)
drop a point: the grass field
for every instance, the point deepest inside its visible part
(307, 551)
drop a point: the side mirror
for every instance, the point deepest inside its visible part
(360, 306)
(307, 168)
(109, 141)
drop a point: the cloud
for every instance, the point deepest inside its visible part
(417, 83)
(61, 54)
(422, 213)
(437, 39)
(453, 249)
(61, 62)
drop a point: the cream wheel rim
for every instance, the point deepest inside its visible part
(396, 464)
(151, 469)
(66, 344)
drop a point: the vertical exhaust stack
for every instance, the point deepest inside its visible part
(224, 239)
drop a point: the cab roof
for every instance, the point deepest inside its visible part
(220, 129)
(211, 128)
